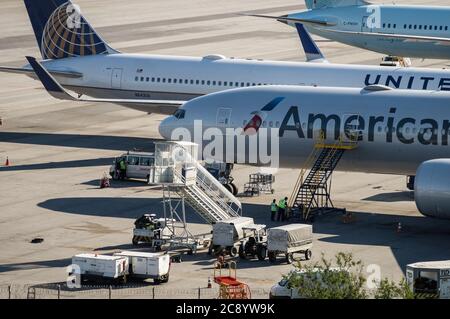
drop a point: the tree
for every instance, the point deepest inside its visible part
(322, 281)
(343, 281)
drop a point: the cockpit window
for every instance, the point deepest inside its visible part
(179, 114)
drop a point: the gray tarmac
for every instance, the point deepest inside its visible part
(59, 150)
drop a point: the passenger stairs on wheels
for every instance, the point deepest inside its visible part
(177, 169)
(311, 194)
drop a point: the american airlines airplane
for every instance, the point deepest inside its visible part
(398, 131)
(395, 30)
(81, 61)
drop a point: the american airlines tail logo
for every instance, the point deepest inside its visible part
(67, 34)
(256, 121)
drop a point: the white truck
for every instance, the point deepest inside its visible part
(228, 233)
(289, 240)
(101, 267)
(429, 279)
(147, 265)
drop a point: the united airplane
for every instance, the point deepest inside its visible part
(82, 62)
(395, 131)
(395, 30)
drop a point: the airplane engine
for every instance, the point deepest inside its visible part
(432, 188)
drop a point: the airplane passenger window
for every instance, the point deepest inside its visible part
(389, 25)
(164, 80)
(175, 80)
(142, 79)
(404, 27)
(136, 78)
(384, 25)
(159, 80)
(248, 84)
(242, 84)
(237, 84)
(197, 82)
(410, 26)
(264, 123)
(420, 27)
(192, 81)
(208, 82)
(440, 28)
(395, 26)
(203, 82)
(147, 79)
(380, 129)
(153, 79)
(446, 28)
(277, 124)
(186, 81)
(435, 27)
(169, 80)
(271, 123)
(225, 83)
(214, 83)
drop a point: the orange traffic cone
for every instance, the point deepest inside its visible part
(7, 161)
(399, 228)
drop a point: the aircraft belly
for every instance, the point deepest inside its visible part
(101, 93)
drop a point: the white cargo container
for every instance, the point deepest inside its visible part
(228, 233)
(148, 265)
(93, 266)
(429, 279)
(289, 240)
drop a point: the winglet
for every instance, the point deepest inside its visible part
(51, 85)
(312, 51)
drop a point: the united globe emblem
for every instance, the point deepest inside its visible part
(67, 34)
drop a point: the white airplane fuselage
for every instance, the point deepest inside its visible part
(398, 129)
(427, 21)
(133, 76)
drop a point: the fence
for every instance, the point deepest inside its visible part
(61, 291)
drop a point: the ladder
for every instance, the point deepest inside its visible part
(311, 193)
(177, 169)
(208, 197)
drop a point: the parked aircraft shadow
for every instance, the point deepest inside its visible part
(405, 196)
(58, 165)
(121, 184)
(36, 265)
(103, 142)
(112, 207)
(421, 238)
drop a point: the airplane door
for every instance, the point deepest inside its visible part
(116, 78)
(366, 24)
(223, 117)
(353, 124)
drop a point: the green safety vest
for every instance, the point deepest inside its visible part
(274, 207)
(282, 204)
(122, 165)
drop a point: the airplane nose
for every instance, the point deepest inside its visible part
(166, 126)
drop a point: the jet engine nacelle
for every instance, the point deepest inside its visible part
(432, 188)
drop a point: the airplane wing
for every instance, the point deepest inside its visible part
(57, 91)
(67, 74)
(405, 37)
(286, 19)
(312, 51)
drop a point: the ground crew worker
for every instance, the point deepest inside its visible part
(273, 210)
(282, 209)
(122, 168)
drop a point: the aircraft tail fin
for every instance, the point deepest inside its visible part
(61, 30)
(317, 4)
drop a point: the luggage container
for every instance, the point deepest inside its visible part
(101, 267)
(429, 279)
(148, 265)
(228, 233)
(289, 240)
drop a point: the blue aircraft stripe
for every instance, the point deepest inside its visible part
(272, 104)
(308, 44)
